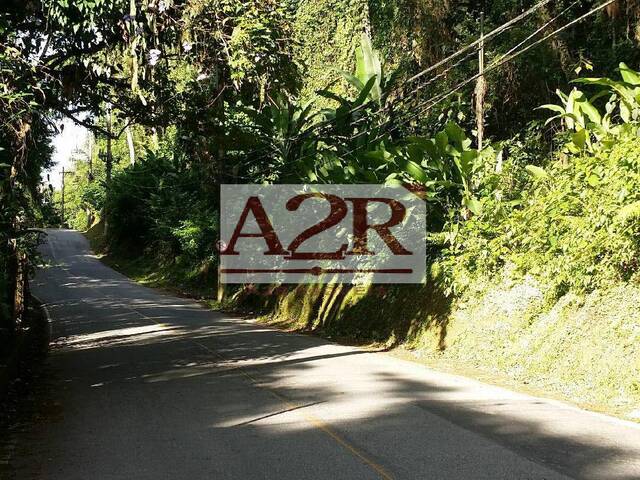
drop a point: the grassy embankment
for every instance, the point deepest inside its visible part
(182, 281)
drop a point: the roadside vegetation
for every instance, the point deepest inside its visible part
(531, 172)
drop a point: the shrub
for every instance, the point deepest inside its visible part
(576, 227)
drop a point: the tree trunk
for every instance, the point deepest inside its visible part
(132, 151)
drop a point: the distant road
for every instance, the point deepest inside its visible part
(155, 387)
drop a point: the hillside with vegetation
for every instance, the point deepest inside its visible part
(530, 168)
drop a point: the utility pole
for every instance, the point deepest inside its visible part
(91, 142)
(481, 87)
(64, 173)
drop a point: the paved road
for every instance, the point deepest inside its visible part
(155, 387)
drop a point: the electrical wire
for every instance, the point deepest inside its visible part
(470, 49)
(432, 80)
(507, 57)
(494, 33)
(512, 54)
(499, 62)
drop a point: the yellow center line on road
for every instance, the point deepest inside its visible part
(312, 419)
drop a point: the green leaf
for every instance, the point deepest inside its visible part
(353, 80)
(593, 180)
(536, 172)
(381, 155)
(455, 133)
(591, 111)
(579, 139)
(416, 153)
(332, 96)
(553, 108)
(468, 160)
(629, 75)
(442, 141)
(625, 112)
(364, 93)
(416, 171)
(473, 204)
(368, 65)
(393, 181)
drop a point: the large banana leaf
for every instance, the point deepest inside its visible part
(368, 66)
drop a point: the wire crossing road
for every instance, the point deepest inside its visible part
(156, 387)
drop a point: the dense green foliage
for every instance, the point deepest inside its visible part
(576, 227)
(220, 91)
(181, 96)
(24, 153)
(575, 223)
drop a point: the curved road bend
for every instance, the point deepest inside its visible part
(156, 387)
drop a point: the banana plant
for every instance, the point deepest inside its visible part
(590, 129)
(446, 162)
(370, 84)
(354, 150)
(280, 141)
(349, 135)
(581, 117)
(442, 167)
(288, 119)
(350, 114)
(368, 66)
(627, 92)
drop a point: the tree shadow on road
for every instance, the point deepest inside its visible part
(211, 377)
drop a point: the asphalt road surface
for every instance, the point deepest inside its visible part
(154, 387)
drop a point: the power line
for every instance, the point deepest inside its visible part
(511, 54)
(508, 56)
(471, 48)
(487, 70)
(504, 27)
(514, 52)
(371, 114)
